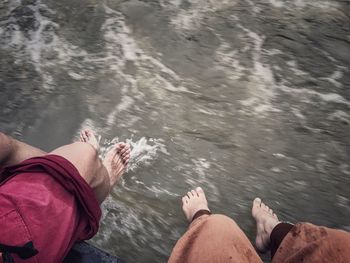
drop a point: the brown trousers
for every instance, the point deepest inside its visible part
(217, 238)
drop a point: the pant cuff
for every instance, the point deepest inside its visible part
(277, 235)
(200, 213)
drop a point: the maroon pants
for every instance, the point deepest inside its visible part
(45, 207)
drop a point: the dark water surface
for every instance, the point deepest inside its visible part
(244, 98)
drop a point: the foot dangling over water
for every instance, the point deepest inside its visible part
(88, 136)
(266, 220)
(116, 161)
(194, 201)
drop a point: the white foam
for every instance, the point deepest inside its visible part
(273, 52)
(326, 97)
(293, 65)
(340, 115)
(201, 166)
(262, 86)
(333, 79)
(75, 76)
(210, 112)
(279, 155)
(276, 3)
(201, 175)
(299, 4)
(263, 108)
(276, 170)
(345, 168)
(255, 8)
(228, 59)
(117, 32)
(161, 191)
(298, 113)
(174, 3)
(191, 19)
(126, 103)
(144, 151)
(39, 43)
(188, 20)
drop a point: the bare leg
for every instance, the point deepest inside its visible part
(101, 176)
(13, 152)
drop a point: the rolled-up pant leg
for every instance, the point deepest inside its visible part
(306, 242)
(214, 238)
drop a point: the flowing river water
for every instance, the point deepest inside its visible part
(243, 98)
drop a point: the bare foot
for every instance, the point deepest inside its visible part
(193, 202)
(266, 220)
(116, 161)
(88, 136)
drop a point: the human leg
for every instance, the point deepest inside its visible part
(100, 175)
(13, 151)
(302, 242)
(210, 238)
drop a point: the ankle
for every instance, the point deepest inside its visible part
(271, 226)
(199, 213)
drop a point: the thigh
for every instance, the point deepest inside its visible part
(83, 156)
(13, 151)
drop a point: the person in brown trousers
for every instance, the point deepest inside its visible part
(217, 238)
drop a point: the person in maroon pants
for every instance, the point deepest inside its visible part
(217, 238)
(49, 201)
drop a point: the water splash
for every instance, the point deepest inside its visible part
(143, 151)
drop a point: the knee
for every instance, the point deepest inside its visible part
(222, 220)
(87, 149)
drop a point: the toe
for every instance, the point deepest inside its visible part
(119, 146)
(199, 191)
(124, 145)
(265, 207)
(189, 194)
(184, 200)
(256, 206)
(126, 155)
(257, 202)
(126, 158)
(194, 193)
(127, 152)
(86, 134)
(123, 151)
